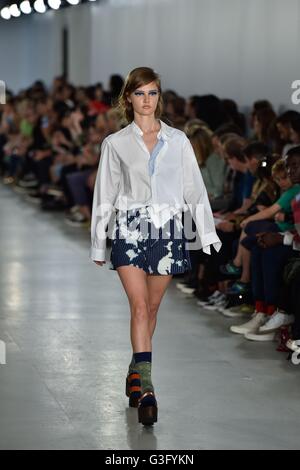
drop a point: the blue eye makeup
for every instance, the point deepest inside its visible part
(151, 93)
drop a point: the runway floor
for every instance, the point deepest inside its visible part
(65, 322)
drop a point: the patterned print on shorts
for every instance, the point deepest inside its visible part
(137, 242)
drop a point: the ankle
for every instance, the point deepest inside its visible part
(132, 367)
(143, 366)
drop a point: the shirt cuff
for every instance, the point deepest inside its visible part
(97, 254)
(210, 239)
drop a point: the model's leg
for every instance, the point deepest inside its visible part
(157, 286)
(134, 281)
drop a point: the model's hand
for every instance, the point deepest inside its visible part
(100, 263)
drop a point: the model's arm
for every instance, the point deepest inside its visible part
(105, 193)
(196, 197)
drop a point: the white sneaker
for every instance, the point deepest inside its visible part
(187, 290)
(252, 326)
(293, 345)
(54, 192)
(260, 336)
(277, 320)
(217, 303)
(180, 285)
(227, 312)
(210, 299)
(74, 209)
(76, 217)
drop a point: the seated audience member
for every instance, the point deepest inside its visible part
(234, 116)
(295, 131)
(263, 120)
(268, 259)
(283, 125)
(212, 166)
(264, 194)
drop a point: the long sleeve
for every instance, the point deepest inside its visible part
(196, 197)
(105, 193)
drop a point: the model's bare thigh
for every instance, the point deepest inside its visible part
(134, 281)
(142, 287)
(157, 286)
(144, 293)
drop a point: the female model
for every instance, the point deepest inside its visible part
(147, 171)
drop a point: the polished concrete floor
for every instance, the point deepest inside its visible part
(65, 322)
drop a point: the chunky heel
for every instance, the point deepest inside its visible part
(134, 399)
(147, 414)
(133, 389)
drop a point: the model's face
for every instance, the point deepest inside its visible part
(144, 99)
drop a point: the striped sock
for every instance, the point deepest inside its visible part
(133, 382)
(143, 362)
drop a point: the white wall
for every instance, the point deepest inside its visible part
(241, 49)
(238, 49)
(31, 47)
(13, 53)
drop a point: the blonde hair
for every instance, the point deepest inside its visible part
(116, 115)
(279, 168)
(193, 124)
(138, 77)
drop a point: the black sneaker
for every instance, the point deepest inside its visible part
(233, 300)
(49, 203)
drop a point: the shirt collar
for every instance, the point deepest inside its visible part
(164, 131)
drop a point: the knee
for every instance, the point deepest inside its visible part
(153, 309)
(140, 310)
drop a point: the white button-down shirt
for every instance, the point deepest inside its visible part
(173, 185)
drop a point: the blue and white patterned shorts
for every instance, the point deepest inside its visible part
(137, 242)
